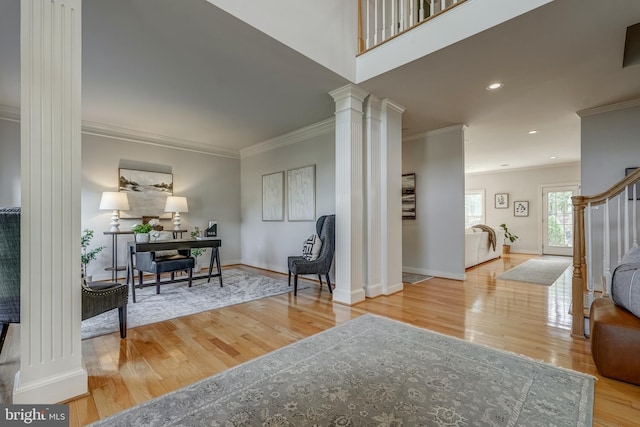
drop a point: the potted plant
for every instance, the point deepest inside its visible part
(88, 255)
(142, 232)
(196, 252)
(506, 247)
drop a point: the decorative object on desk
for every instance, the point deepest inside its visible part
(273, 197)
(153, 221)
(506, 247)
(212, 229)
(87, 254)
(521, 208)
(142, 232)
(176, 204)
(196, 252)
(410, 376)
(502, 200)
(177, 300)
(114, 201)
(301, 189)
(147, 192)
(409, 196)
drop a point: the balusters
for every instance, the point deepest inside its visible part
(619, 227)
(635, 219)
(421, 11)
(626, 218)
(606, 250)
(588, 233)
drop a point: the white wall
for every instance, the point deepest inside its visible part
(522, 184)
(268, 244)
(434, 242)
(210, 183)
(9, 163)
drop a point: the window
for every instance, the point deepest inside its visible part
(473, 207)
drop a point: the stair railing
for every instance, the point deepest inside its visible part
(599, 234)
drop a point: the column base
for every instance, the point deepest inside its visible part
(348, 298)
(52, 389)
(392, 289)
(373, 291)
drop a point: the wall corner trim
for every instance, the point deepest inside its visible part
(294, 137)
(608, 108)
(435, 132)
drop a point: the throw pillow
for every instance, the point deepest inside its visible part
(311, 247)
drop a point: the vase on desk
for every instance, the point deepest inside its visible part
(142, 237)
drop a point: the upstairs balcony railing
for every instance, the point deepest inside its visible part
(381, 20)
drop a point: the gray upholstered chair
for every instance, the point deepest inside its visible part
(9, 269)
(152, 262)
(100, 297)
(326, 230)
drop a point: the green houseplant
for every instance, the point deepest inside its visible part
(506, 247)
(142, 232)
(87, 254)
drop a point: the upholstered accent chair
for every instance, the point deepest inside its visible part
(9, 269)
(100, 297)
(326, 230)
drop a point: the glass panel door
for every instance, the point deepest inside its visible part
(557, 227)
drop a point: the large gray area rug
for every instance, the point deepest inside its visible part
(540, 271)
(373, 371)
(177, 300)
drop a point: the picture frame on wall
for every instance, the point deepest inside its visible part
(273, 196)
(521, 208)
(147, 192)
(501, 201)
(409, 196)
(301, 192)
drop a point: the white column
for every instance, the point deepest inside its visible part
(50, 348)
(349, 199)
(373, 260)
(391, 197)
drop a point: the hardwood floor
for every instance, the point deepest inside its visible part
(522, 318)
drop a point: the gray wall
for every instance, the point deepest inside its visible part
(523, 184)
(268, 244)
(9, 163)
(434, 242)
(210, 183)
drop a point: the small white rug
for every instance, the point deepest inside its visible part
(177, 300)
(540, 271)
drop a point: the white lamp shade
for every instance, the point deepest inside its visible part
(113, 200)
(176, 204)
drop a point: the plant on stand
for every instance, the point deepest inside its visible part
(196, 252)
(88, 255)
(142, 232)
(506, 247)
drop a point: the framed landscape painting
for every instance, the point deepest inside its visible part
(409, 196)
(147, 192)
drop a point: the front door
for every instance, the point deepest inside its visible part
(557, 227)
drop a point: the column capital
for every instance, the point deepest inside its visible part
(349, 97)
(388, 104)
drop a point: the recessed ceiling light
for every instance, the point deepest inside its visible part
(504, 165)
(531, 132)
(494, 86)
(553, 157)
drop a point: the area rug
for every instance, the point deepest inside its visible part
(540, 271)
(177, 300)
(412, 278)
(372, 371)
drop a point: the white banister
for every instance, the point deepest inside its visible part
(626, 218)
(421, 11)
(635, 219)
(589, 251)
(619, 227)
(606, 250)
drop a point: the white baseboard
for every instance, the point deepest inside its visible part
(372, 291)
(435, 273)
(52, 389)
(392, 289)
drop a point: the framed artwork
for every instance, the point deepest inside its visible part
(502, 200)
(273, 196)
(301, 192)
(521, 208)
(147, 192)
(409, 196)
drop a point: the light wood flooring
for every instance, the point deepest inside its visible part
(522, 318)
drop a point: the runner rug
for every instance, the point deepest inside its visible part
(177, 300)
(541, 271)
(376, 371)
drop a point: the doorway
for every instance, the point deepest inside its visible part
(557, 219)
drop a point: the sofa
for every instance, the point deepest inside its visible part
(477, 248)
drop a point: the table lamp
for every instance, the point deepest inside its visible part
(116, 201)
(176, 204)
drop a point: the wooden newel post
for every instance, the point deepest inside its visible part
(579, 264)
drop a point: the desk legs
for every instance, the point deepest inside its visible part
(215, 256)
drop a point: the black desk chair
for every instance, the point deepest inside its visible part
(158, 263)
(326, 230)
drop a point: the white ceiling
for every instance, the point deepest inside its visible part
(188, 70)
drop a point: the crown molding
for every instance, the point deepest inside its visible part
(525, 168)
(140, 137)
(290, 138)
(608, 108)
(435, 132)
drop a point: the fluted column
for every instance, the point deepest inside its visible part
(349, 195)
(391, 197)
(373, 260)
(50, 346)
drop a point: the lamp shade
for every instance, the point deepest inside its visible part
(176, 204)
(113, 200)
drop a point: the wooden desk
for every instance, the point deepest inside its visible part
(162, 245)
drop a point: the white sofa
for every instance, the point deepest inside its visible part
(476, 246)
